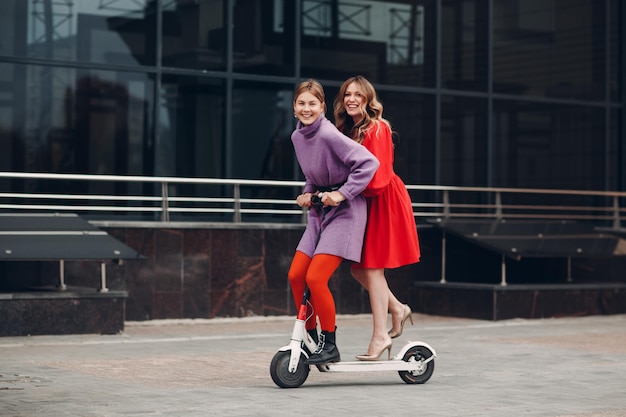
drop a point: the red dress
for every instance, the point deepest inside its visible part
(391, 235)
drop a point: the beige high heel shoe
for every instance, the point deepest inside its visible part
(376, 356)
(406, 315)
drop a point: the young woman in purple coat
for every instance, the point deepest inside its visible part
(337, 170)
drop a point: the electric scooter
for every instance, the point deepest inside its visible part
(415, 362)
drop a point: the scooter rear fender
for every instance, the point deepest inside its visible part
(411, 344)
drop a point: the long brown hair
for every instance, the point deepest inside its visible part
(372, 112)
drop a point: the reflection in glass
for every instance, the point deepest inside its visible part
(385, 41)
(463, 141)
(263, 36)
(8, 101)
(190, 139)
(411, 118)
(613, 182)
(616, 64)
(261, 148)
(464, 44)
(66, 120)
(78, 121)
(549, 146)
(112, 32)
(550, 48)
(194, 34)
(72, 110)
(263, 120)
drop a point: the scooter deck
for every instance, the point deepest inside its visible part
(368, 366)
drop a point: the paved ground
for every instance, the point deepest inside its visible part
(556, 367)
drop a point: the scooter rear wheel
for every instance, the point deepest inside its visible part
(279, 370)
(418, 354)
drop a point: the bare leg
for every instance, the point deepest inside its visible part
(374, 281)
(394, 306)
(397, 310)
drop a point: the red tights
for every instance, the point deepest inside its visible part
(315, 273)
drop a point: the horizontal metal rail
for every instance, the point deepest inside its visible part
(243, 200)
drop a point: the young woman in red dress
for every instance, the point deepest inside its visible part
(391, 237)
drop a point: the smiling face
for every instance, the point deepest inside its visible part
(354, 101)
(307, 107)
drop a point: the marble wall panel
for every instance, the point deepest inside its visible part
(278, 303)
(196, 273)
(140, 278)
(223, 258)
(39, 315)
(233, 272)
(167, 305)
(168, 262)
(244, 295)
(12, 323)
(280, 247)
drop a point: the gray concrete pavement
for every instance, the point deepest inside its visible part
(553, 367)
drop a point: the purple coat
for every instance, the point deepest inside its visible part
(327, 157)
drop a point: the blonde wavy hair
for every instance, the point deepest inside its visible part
(372, 111)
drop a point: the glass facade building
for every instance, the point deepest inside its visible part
(503, 93)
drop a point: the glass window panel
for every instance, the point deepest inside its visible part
(464, 44)
(262, 123)
(615, 63)
(614, 167)
(263, 37)
(412, 119)
(119, 32)
(194, 34)
(75, 120)
(551, 48)
(549, 146)
(190, 140)
(463, 141)
(9, 100)
(65, 120)
(388, 42)
(413, 122)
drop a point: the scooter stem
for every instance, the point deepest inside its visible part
(295, 344)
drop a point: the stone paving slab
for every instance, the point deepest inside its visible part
(567, 367)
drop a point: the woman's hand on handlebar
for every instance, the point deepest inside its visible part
(328, 199)
(332, 199)
(304, 200)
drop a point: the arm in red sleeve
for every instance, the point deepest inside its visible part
(378, 141)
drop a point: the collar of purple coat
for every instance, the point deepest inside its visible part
(308, 131)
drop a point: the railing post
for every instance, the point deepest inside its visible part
(443, 257)
(498, 205)
(617, 223)
(103, 278)
(569, 269)
(237, 204)
(446, 204)
(165, 214)
(62, 285)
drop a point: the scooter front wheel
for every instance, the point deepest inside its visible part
(418, 354)
(279, 370)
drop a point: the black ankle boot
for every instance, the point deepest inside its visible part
(313, 334)
(326, 351)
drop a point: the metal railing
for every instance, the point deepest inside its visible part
(165, 199)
